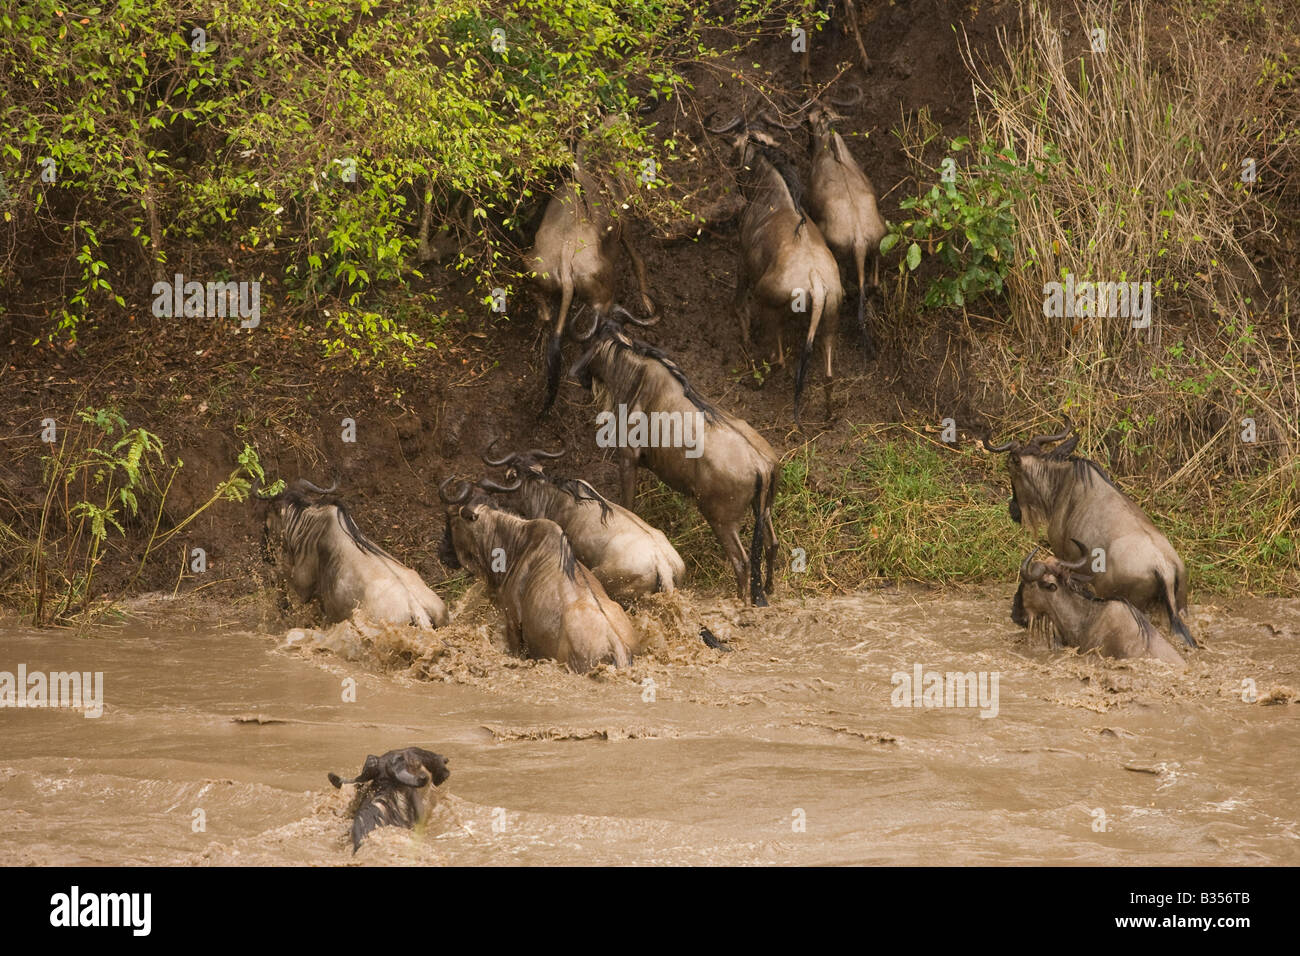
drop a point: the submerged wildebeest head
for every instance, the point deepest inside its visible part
(324, 556)
(394, 790)
(1085, 515)
(1055, 594)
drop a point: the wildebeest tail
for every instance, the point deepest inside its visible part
(554, 348)
(756, 549)
(860, 257)
(1176, 624)
(801, 371)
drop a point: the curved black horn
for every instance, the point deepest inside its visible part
(595, 324)
(999, 448)
(488, 450)
(1067, 446)
(460, 498)
(644, 323)
(851, 101)
(543, 453)
(771, 120)
(1073, 565)
(369, 770)
(739, 120)
(488, 485)
(307, 485)
(1039, 440)
(1024, 565)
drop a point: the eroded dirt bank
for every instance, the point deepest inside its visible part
(690, 756)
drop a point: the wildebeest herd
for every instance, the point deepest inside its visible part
(562, 562)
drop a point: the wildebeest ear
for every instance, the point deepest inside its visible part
(469, 514)
(436, 764)
(369, 770)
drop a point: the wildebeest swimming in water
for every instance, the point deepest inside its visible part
(552, 604)
(1086, 515)
(324, 555)
(1056, 593)
(398, 789)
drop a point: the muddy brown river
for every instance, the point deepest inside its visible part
(794, 748)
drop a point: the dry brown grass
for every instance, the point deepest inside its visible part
(1153, 133)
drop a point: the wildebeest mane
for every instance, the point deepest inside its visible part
(627, 377)
(568, 561)
(1081, 588)
(298, 535)
(578, 490)
(1084, 468)
(784, 168)
(380, 804)
(506, 535)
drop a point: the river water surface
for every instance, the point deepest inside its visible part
(218, 731)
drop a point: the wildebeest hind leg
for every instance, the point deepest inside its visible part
(627, 481)
(756, 595)
(639, 267)
(729, 537)
(828, 347)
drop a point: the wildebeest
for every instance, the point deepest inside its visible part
(324, 556)
(733, 469)
(553, 606)
(398, 789)
(1083, 511)
(785, 265)
(573, 253)
(1056, 592)
(628, 556)
(842, 201)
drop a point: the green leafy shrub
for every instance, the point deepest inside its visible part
(967, 222)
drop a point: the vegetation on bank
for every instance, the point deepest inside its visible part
(329, 148)
(104, 482)
(906, 506)
(333, 150)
